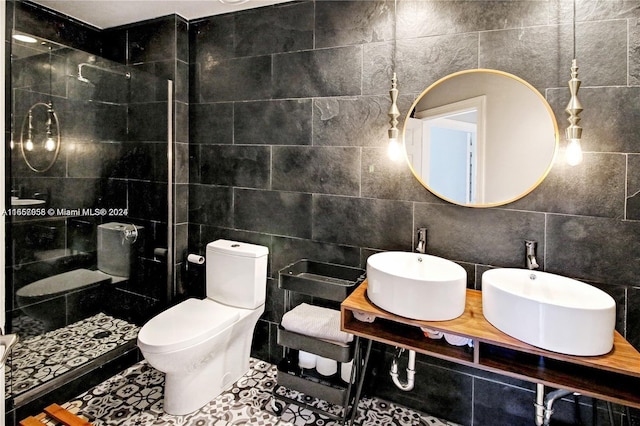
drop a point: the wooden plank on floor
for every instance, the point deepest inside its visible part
(64, 416)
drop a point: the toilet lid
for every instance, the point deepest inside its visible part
(184, 325)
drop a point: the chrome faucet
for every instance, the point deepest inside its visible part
(532, 262)
(422, 240)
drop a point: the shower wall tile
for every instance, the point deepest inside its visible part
(335, 118)
(596, 188)
(39, 22)
(148, 122)
(212, 39)
(362, 222)
(154, 40)
(328, 170)
(279, 122)
(180, 122)
(235, 79)
(235, 165)
(211, 205)
(148, 200)
(325, 72)
(275, 29)
(181, 161)
(281, 213)
(92, 160)
(342, 23)
(575, 247)
(181, 204)
(211, 123)
(456, 233)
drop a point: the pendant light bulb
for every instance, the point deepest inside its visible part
(573, 155)
(28, 145)
(50, 144)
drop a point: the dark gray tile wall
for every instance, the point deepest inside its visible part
(288, 120)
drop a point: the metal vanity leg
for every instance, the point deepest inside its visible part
(361, 374)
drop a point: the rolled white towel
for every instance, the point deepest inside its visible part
(315, 321)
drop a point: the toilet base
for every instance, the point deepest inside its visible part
(207, 375)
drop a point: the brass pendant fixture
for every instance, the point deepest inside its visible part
(573, 153)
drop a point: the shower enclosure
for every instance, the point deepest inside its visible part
(89, 224)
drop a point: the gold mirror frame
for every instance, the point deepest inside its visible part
(25, 130)
(450, 86)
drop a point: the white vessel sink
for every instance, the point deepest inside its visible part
(549, 311)
(417, 286)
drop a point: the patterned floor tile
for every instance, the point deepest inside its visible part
(41, 358)
(134, 398)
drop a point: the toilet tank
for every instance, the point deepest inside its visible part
(236, 273)
(115, 247)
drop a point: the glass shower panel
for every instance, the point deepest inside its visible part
(88, 224)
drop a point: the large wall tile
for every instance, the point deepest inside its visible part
(328, 170)
(609, 119)
(633, 188)
(351, 121)
(500, 404)
(235, 79)
(212, 39)
(634, 52)
(595, 249)
(489, 236)
(419, 62)
(342, 23)
(326, 72)
(277, 29)
(594, 188)
(286, 122)
(211, 123)
(273, 212)
(419, 18)
(235, 165)
(153, 41)
(211, 205)
(383, 178)
(362, 222)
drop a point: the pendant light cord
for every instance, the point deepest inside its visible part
(395, 38)
(574, 29)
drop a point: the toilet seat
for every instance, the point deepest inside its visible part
(185, 324)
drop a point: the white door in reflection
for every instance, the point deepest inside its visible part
(451, 158)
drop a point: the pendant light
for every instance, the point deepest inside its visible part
(393, 149)
(573, 153)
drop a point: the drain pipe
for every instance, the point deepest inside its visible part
(411, 370)
(544, 404)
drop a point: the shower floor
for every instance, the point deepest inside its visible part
(134, 397)
(43, 358)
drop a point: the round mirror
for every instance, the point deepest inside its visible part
(480, 138)
(40, 137)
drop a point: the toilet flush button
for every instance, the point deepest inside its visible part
(235, 245)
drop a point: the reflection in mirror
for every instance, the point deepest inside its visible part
(40, 137)
(480, 138)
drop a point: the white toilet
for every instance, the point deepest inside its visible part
(203, 346)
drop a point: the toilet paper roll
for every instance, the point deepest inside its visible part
(454, 340)
(195, 258)
(326, 366)
(345, 371)
(306, 360)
